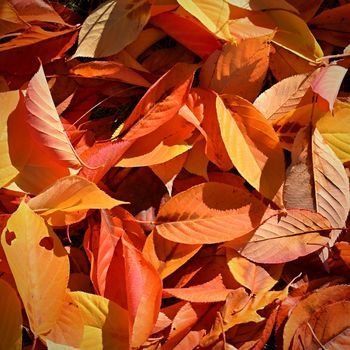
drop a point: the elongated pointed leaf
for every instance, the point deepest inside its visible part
(252, 144)
(112, 26)
(211, 291)
(68, 198)
(45, 124)
(284, 96)
(40, 267)
(210, 213)
(317, 180)
(296, 234)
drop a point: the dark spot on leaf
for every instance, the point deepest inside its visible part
(47, 243)
(9, 236)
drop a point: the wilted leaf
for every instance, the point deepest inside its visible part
(276, 241)
(210, 213)
(40, 266)
(69, 327)
(111, 27)
(317, 180)
(11, 318)
(161, 102)
(68, 199)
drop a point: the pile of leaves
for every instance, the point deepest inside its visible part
(174, 175)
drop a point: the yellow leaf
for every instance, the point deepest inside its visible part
(335, 129)
(250, 275)
(8, 101)
(68, 199)
(10, 318)
(160, 154)
(111, 27)
(213, 14)
(294, 35)
(252, 144)
(39, 265)
(106, 323)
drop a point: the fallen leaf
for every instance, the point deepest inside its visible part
(68, 199)
(40, 266)
(11, 318)
(276, 241)
(192, 216)
(108, 21)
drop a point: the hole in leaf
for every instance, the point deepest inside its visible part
(47, 243)
(9, 236)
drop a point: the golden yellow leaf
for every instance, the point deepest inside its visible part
(40, 267)
(252, 144)
(8, 101)
(250, 275)
(106, 323)
(213, 14)
(68, 199)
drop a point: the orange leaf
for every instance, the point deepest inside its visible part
(252, 145)
(31, 44)
(208, 292)
(210, 213)
(11, 318)
(167, 256)
(160, 103)
(197, 38)
(237, 69)
(109, 70)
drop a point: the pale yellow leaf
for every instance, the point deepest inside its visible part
(284, 96)
(40, 267)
